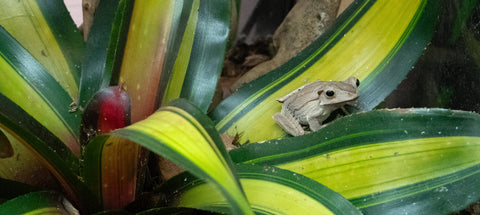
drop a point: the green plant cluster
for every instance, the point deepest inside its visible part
(80, 120)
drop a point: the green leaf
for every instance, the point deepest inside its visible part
(46, 30)
(105, 45)
(42, 202)
(269, 190)
(150, 51)
(182, 56)
(183, 43)
(111, 170)
(26, 83)
(200, 58)
(183, 134)
(386, 161)
(376, 41)
(20, 124)
(113, 166)
(51, 151)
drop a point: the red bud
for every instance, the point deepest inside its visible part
(108, 110)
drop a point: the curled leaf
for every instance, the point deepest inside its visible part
(6, 149)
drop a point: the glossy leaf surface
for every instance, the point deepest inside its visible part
(148, 47)
(386, 161)
(180, 56)
(25, 82)
(104, 48)
(376, 41)
(183, 134)
(50, 150)
(200, 58)
(46, 30)
(111, 171)
(270, 190)
(117, 161)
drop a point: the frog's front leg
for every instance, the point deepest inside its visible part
(288, 123)
(315, 122)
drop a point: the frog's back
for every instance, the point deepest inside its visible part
(303, 95)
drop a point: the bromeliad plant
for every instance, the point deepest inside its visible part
(90, 111)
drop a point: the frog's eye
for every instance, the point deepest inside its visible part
(329, 93)
(357, 83)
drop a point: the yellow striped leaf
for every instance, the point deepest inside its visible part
(270, 190)
(182, 134)
(179, 52)
(376, 41)
(46, 30)
(386, 161)
(28, 85)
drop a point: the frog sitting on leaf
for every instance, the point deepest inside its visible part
(312, 103)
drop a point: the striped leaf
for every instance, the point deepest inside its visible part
(150, 51)
(269, 190)
(27, 84)
(182, 134)
(104, 48)
(119, 159)
(46, 30)
(49, 149)
(376, 41)
(111, 171)
(200, 58)
(387, 161)
(177, 49)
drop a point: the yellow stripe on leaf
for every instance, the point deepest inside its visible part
(174, 87)
(120, 163)
(14, 87)
(363, 49)
(24, 21)
(144, 54)
(265, 196)
(373, 168)
(179, 131)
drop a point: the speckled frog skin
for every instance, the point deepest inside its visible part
(312, 103)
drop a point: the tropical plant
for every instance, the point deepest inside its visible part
(79, 120)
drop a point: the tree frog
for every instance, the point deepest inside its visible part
(312, 103)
